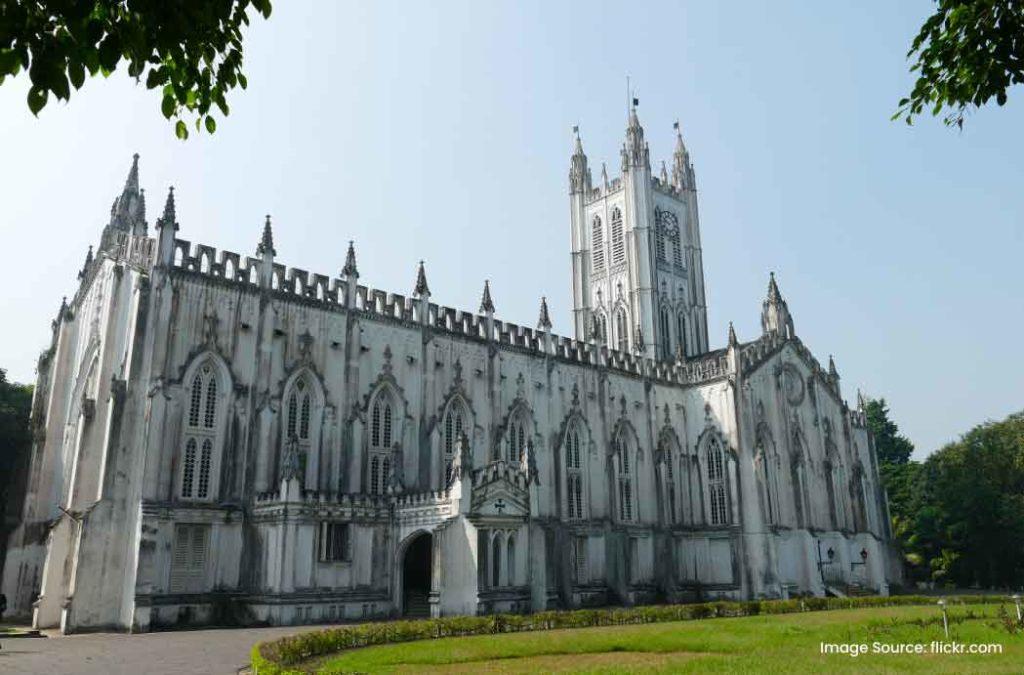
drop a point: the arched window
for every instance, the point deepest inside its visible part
(624, 476)
(768, 464)
(198, 462)
(597, 245)
(618, 242)
(381, 426)
(681, 332)
(517, 438)
(298, 408)
(677, 249)
(621, 330)
(454, 423)
(670, 484)
(573, 473)
(717, 494)
(511, 568)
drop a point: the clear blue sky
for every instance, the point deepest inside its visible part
(442, 131)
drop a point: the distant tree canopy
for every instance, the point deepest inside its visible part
(15, 437)
(968, 52)
(191, 50)
(959, 515)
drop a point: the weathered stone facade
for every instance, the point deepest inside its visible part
(221, 438)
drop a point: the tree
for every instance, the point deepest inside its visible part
(15, 441)
(191, 50)
(967, 52)
(890, 446)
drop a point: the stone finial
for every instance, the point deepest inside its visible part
(486, 304)
(733, 342)
(169, 217)
(266, 245)
(604, 175)
(832, 372)
(421, 282)
(664, 173)
(350, 270)
(544, 321)
(579, 174)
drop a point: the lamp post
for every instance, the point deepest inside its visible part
(1016, 600)
(945, 620)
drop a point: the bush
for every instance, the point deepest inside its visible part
(276, 657)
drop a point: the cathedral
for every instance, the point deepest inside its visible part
(221, 438)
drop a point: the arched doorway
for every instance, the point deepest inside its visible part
(416, 576)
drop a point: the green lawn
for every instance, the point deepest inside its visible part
(783, 643)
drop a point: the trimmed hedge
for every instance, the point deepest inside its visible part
(276, 657)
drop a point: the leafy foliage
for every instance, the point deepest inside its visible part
(968, 52)
(890, 446)
(15, 437)
(192, 51)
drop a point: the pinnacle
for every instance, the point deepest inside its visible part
(773, 289)
(544, 322)
(349, 270)
(486, 304)
(169, 217)
(132, 183)
(421, 282)
(266, 245)
(732, 336)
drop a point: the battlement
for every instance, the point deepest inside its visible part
(292, 282)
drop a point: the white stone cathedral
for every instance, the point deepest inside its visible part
(222, 438)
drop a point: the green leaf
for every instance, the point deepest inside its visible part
(211, 125)
(242, 81)
(76, 71)
(180, 130)
(168, 105)
(36, 99)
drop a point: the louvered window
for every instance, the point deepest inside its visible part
(618, 241)
(597, 245)
(188, 558)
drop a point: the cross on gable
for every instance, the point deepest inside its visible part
(500, 505)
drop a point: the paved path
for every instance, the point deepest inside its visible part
(214, 652)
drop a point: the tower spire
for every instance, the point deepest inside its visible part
(635, 153)
(350, 270)
(682, 172)
(486, 304)
(128, 213)
(266, 244)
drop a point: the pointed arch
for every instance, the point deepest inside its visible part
(672, 474)
(302, 406)
(768, 469)
(574, 466)
(716, 458)
(620, 316)
(456, 419)
(205, 394)
(625, 454)
(617, 237)
(597, 245)
(517, 431)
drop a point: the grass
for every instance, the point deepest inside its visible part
(768, 643)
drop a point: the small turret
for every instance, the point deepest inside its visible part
(167, 225)
(486, 304)
(422, 292)
(775, 317)
(351, 274)
(487, 309)
(544, 321)
(265, 250)
(579, 172)
(421, 288)
(733, 342)
(682, 170)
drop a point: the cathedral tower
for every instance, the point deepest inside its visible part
(637, 270)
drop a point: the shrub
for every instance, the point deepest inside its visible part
(277, 657)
